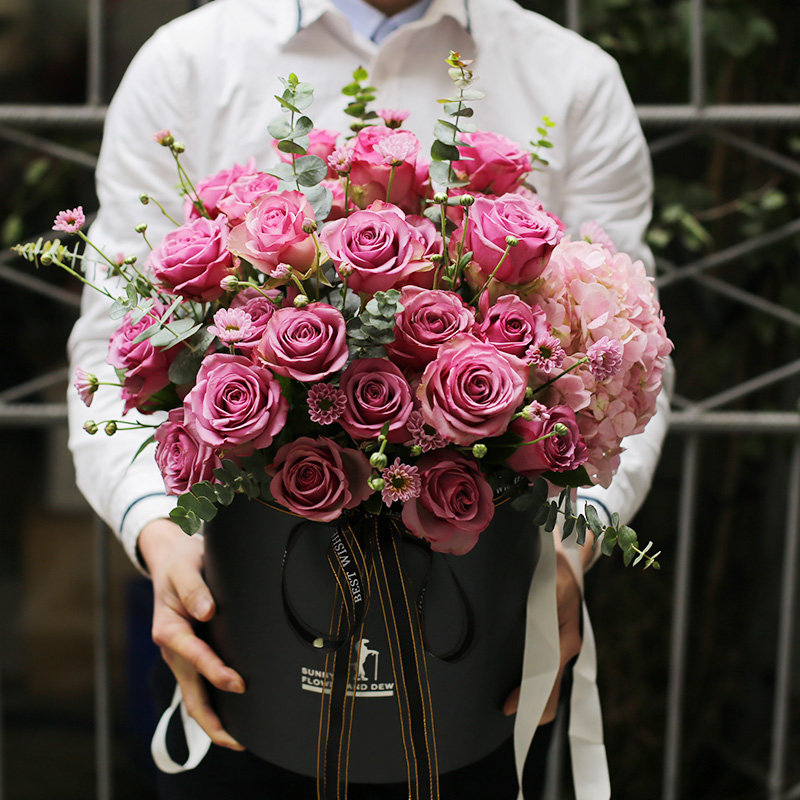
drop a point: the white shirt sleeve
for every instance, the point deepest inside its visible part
(126, 493)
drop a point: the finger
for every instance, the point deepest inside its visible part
(193, 593)
(512, 703)
(177, 640)
(195, 699)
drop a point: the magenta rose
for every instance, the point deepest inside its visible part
(144, 368)
(306, 344)
(471, 390)
(375, 393)
(235, 404)
(559, 453)
(370, 172)
(272, 233)
(492, 220)
(512, 325)
(493, 163)
(214, 188)
(183, 459)
(260, 309)
(428, 320)
(379, 245)
(244, 192)
(455, 504)
(192, 259)
(317, 479)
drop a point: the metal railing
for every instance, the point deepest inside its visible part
(693, 421)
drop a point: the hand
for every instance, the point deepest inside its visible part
(568, 603)
(175, 561)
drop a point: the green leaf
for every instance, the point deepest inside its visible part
(310, 170)
(302, 127)
(187, 363)
(147, 333)
(569, 526)
(471, 94)
(280, 128)
(119, 308)
(360, 74)
(282, 171)
(179, 331)
(351, 90)
(540, 517)
(609, 542)
(288, 146)
(286, 104)
(143, 446)
(321, 199)
(627, 538)
(552, 517)
(188, 522)
(574, 478)
(444, 152)
(580, 527)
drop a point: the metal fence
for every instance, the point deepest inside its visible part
(693, 422)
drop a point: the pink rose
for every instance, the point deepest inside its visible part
(213, 189)
(145, 368)
(492, 220)
(455, 503)
(272, 233)
(375, 393)
(306, 344)
(511, 325)
(379, 245)
(193, 259)
(428, 320)
(471, 391)
(244, 192)
(370, 174)
(492, 163)
(317, 479)
(182, 459)
(322, 142)
(260, 309)
(554, 454)
(235, 403)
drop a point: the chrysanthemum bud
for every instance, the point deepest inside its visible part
(435, 258)
(440, 198)
(466, 200)
(512, 241)
(111, 428)
(528, 393)
(479, 450)
(141, 227)
(309, 226)
(229, 283)
(130, 260)
(90, 426)
(416, 450)
(377, 484)
(144, 198)
(560, 429)
(378, 461)
(178, 147)
(301, 301)
(345, 270)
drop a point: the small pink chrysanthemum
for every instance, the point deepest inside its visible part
(605, 358)
(70, 221)
(86, 384)
(280, 272)
(231, 325)
(421, 437)
(546, 354)
(393, 117)
(402, 482)
(396, 148)
(163, 137)
(340, 159)
(326, 403)
(593, 233)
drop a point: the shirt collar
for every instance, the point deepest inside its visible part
(374, 24)
(309, 11)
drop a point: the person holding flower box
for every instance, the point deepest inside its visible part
(208, 77)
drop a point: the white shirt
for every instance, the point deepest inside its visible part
(210, 76)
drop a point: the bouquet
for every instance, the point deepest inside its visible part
(359, 333)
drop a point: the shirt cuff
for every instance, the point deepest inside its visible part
(144, 509)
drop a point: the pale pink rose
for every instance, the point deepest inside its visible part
(192, 260)
(370, 174)
(428, 320)
(183, 459)
(511, 325)
(555, 454)
(260, 308)
(493, 163)
(471, 391)
(455, 504)
(317, 479)
(272, 233)
(235, 404)
(306, 344)
(145, 369)
(376, 393)
(244, 192)
(214, 188)
(322, 143)
(492, 221)
(379, 245)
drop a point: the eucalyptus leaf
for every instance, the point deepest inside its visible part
(147, 333)
(302, 127)
(552, 518)
(289, 146)
(444, 152)
(280, 128)
(310, 170)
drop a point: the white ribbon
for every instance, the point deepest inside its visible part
(197, 740)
